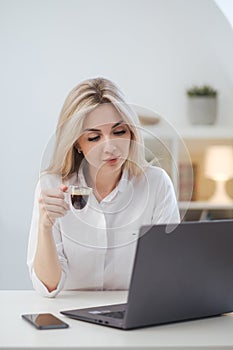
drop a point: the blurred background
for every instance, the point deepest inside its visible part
(153, 49)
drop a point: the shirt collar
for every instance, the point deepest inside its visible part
(121, 186)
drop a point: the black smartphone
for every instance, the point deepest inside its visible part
(45, 321)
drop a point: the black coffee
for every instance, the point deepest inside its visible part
(79, 201)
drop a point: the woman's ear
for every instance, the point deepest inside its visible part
(78, 148)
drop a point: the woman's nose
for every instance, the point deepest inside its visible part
(109, 146)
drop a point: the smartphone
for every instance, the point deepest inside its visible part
(45, 321)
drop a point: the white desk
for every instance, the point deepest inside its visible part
(16, 333)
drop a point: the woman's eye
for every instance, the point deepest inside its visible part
(95, 138)
(120, 132)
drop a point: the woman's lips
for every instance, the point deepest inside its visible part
(112, 161)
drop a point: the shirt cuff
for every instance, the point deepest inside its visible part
(42, 290)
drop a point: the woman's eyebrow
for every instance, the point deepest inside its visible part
(98, 130)
(118, 123)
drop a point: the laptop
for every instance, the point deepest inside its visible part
(180, 273)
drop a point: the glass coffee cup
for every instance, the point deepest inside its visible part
(79, 196)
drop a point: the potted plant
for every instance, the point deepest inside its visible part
(202, 104)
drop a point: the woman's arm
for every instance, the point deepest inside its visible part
(46, 264)
(166, 209)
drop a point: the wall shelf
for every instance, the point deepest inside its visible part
(199, 205)
(186, 145)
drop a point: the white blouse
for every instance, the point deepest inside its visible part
(96, 245)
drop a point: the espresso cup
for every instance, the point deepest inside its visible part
(78, 196)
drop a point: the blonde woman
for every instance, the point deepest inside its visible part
(98, 145)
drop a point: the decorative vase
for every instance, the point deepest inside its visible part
(202, 110)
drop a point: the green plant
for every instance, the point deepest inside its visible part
(202, 91)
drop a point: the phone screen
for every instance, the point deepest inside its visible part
(45, 321)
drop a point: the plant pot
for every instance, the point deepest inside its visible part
(202, 110)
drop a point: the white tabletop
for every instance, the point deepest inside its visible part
(16, 333)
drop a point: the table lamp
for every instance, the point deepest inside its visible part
(219, 167)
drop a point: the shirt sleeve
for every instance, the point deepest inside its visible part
(166, 209)
(32, 244)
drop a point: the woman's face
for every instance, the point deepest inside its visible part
(105, 141)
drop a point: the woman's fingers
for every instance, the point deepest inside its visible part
(52, 202)
(63, 188)
(55, 209)
(55, 201)
(53, 193)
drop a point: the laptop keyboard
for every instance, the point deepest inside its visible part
(114, 314)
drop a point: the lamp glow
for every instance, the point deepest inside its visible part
(219, 167)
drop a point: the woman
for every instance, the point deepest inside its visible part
(99, 145)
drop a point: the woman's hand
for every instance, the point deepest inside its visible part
(52, 205)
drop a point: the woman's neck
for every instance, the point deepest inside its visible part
(102, 183)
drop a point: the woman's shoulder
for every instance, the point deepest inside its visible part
(157, 175)
(53, 180)
(151, 174)
(47, 180)
(155, 171)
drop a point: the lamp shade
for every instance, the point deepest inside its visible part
(219, 162)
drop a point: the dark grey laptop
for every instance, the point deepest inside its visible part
(177, 276)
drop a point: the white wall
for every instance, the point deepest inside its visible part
(154, 50)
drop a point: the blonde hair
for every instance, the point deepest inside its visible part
(85, 97)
